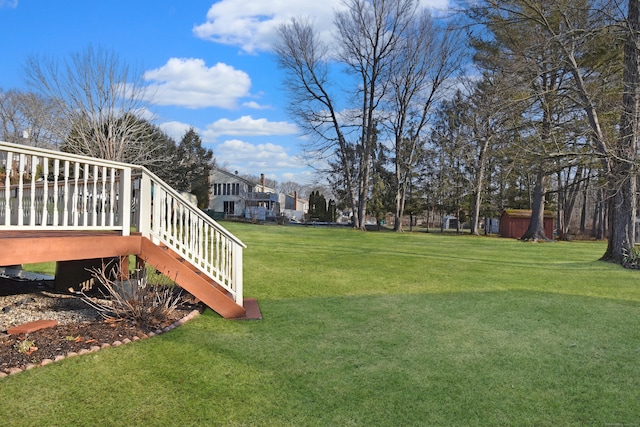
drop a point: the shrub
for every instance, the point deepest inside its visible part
(631, 258)
(134, 298)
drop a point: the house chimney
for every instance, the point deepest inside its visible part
(262, 182)
(295, 200)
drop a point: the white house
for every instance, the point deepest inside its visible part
(232, 195)
(228, 193)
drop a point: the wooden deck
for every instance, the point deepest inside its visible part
(77, 210)
(24, 247)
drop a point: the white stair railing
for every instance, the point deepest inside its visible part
(168, 218)
(51, 190)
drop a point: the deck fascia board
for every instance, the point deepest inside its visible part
(31, 247)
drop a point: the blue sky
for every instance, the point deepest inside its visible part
(210, 64)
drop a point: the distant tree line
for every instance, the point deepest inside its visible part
(546, 120)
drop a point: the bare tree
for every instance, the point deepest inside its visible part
(427, 57)
(370, 34)
(101, 101)
(305, 59)
(291, 188)
(27, 118)
(367, 38)
(491, 117)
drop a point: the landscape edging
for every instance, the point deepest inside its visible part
(94, 348)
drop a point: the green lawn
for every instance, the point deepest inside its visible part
(374, 329)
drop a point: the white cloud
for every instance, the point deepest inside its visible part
(188, 82)
(12, 4)
(254, 105)
(175, 130)
(247, 126)
(252, 24)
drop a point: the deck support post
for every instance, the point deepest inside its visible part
(123, 267)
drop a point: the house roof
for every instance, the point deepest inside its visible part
(255, 184)
(232, 175)
(524, 213)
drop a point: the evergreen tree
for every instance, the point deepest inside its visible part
(193, 166)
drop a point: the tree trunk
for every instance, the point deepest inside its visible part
(583, 212)
(567, 195)
(363, 196)
(599, 217)
(400, 201)
(622, 177)
(622, 214)
(535, 231)
(478, 190)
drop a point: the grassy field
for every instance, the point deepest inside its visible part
(374, 329)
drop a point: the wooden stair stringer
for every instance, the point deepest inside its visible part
(186, 276)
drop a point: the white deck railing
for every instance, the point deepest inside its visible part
(51, 190)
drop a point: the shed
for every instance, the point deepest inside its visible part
(515, 222)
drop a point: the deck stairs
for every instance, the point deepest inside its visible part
(57, 206)
(191, 279)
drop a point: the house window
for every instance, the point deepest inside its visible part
(227, 189)
(229, 208)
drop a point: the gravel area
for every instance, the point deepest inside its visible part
(27, 301)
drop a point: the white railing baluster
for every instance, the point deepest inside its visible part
(174, 230)
(205, 244)
(85, 193)
(21, 166)
(161, 201)
(103, 199)
(45, 192)
(76, 195)
(65, 218)
(218, 243)
(56, 191)
(94, 197)
(32, 191)
(8, 169)
(198, 239)
(112, 196)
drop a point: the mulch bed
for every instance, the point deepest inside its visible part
(64, 340)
